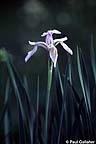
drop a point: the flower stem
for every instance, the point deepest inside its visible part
(50, 70)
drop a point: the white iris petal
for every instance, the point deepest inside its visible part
(57, 41)
(56, 31)
(44, 34)
(39, 44)
(66, 48)
(32, 43)
(52, 32)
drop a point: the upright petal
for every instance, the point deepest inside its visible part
(30, 53)
(51, 31)
(66, 48)
(56, 31)
(49, 40)
(53, 55)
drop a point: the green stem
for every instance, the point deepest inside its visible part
(50, 70)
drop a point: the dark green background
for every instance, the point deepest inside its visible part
(25, 20)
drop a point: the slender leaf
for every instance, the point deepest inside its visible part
(21, 95)
(83, 76)
(93, 58)
(84, 82)
(7, 126)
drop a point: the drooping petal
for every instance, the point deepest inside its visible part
(66, 48)
(30, 53)
(53, 55)
(57, 41)
(32, 43)
(39, 43)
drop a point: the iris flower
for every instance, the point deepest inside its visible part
(49, 45)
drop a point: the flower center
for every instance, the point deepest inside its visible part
(49, 40)
(52, 51)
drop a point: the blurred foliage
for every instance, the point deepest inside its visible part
(3, 55)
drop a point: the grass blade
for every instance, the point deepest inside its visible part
(83, 76)
(93, 59)
(22, 136)
(84, 82)
(23, 99)
(7, 125)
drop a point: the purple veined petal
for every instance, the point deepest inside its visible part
(66, 48)
(49, 40)
(53, 55)
(57, 41)
(56, 31)
(30, 53)
(41, 44)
